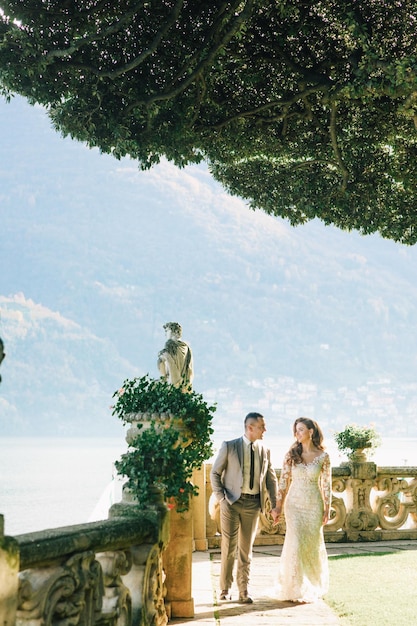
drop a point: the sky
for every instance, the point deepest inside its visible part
(96, 256)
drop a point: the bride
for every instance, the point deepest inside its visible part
(305, 494)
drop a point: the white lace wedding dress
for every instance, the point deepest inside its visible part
(303, 567)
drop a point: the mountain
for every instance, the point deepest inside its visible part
(96, 256)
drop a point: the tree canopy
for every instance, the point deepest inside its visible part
(305, 109)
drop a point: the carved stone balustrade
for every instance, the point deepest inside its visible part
(369, 503)
(394, 498)
(111, 573)
(106, 573)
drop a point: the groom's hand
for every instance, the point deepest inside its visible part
(275, 515)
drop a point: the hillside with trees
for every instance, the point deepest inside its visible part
(96, 256)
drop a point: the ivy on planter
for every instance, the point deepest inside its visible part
(353, 438)
(176, 440)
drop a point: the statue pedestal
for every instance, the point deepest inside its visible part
(177, 563)
(9, 570)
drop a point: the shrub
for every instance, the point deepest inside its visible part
(175, 441)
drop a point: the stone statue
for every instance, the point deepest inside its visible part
(175, 360)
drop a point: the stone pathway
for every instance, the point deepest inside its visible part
(265, 611)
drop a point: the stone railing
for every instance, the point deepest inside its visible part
(106, 573)
(369, 503)
(134, 569)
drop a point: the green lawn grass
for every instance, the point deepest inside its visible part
(374, 589)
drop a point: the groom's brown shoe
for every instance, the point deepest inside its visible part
(244, 598)
(223, 594)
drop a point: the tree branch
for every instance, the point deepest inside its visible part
(128, 67)
(335, 146)
(211, 33)
(80, 43)
(167, 95)
(311, 162)
(271, 105)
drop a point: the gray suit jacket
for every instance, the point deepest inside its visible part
(227, 473)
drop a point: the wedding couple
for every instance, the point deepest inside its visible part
(244, 481)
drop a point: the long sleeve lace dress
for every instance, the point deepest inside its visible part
(303, 568)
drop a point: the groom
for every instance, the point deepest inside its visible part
(242, 479)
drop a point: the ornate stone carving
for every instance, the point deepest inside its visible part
(338, 508)
(89, 590)
(145, 580)
(117, 601)
(360, 516)
(142, 421)
(62, 595)
(154, 588)
(395, 501)
(410, 493)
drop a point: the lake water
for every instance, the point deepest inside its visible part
(46, 483)
(51, 482)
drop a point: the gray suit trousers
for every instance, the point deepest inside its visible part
(239, 523)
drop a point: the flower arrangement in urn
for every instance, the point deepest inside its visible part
(354, 439)
(171, 438)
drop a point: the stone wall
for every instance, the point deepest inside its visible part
(106, 573)
(369, 503)
(125, 571)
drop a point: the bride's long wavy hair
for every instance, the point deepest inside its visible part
(296, 449)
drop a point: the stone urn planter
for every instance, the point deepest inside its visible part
(140, 422)
(169, 436)
(358, 456)
(357, 442)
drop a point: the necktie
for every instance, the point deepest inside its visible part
(252, 466)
